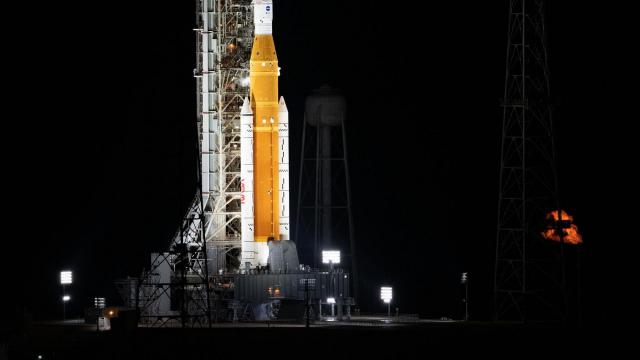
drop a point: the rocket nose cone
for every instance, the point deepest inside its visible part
(282, 106)
(246, 107)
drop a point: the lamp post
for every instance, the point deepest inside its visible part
(331, 257)
(309, 285)
(332, 302)
(386, 294)
(99, 303)
(464, 280)
(66, 278)
(65, 300)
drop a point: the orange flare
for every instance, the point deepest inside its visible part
(569, 234)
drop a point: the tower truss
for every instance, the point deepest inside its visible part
(224, 39)
(175, 291)
(529, 281)
(185, 285)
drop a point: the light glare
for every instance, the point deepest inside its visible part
(386, 294)
(331, 256)
(66, 277)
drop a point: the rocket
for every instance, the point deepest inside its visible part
(264, 148)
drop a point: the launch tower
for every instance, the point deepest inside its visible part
(224, 39)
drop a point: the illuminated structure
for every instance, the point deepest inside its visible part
(66, 278)
(224, 39)
(176, 289)
(265, 148)
(230, 258)
(386, 295)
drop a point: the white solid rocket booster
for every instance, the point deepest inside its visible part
(246, 184)
(283, 168)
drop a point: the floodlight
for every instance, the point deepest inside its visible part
(66, 277)
(99, 302)
(331, 256)
(386, 294)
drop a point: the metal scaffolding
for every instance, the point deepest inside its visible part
(177, 288)
(198, 280)
(189, 285)
(529, 281)
(224, 39)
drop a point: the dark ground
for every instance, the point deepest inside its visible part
(55, 341)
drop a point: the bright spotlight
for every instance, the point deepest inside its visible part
(331, 300)
(464, 278)
(386, 294)
(331, 256)
(66, 277)
(66, 298)
(244, 81)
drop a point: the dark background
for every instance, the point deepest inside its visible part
(106, 97)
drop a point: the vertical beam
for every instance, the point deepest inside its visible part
(352, 236)
(317, 188)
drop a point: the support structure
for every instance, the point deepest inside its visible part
(185, 285)
(324, 219)
(222, 265)
(175, 291)
(529, 281)
(224, 39)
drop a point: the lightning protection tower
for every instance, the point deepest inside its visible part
(529, 281)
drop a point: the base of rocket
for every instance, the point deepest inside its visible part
(255, 251)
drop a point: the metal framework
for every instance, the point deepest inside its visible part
(529, 281)
(197, 281)
(176, 291)
(189, 285)
(324, 219)
(224, 39)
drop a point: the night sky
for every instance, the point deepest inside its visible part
(109, 163)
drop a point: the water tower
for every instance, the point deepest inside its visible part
(324, 220)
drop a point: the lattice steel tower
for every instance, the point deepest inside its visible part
(529, 279)
(184, 284)
(225, 36)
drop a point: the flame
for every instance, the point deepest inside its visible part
(570, 234)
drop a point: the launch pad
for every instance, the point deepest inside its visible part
(369, 337)
(232, 258)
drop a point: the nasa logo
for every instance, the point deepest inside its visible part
(268, 8)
